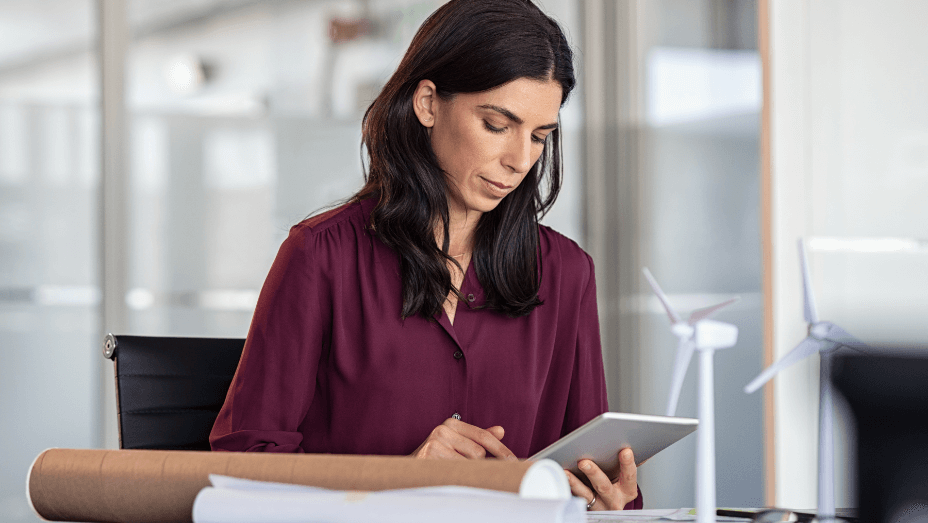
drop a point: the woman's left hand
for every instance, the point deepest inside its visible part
(609, 494)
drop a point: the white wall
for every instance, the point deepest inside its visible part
(849, 160)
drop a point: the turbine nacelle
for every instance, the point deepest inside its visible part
(819, 330)
(711, 334)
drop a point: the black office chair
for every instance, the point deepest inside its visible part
(169, 390)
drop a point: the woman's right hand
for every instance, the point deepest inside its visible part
(455, 439)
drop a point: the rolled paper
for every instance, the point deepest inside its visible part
(155, 486)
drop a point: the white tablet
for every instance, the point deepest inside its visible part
(604, 436)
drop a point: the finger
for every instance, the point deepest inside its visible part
(484, 438)
(601, 483)
(434, 449)
(448, 435)
(628, 473)
(577, 488)
(468, 448)
(464, 444)
(497, 432)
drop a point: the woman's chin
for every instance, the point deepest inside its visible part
(484, 205)
(479, 203)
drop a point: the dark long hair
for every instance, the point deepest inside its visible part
(466, 46)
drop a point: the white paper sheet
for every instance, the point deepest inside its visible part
(233, 500)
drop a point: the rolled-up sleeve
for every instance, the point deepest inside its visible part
(274, 383)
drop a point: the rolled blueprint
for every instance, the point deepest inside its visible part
(232, 500)
(155, 486)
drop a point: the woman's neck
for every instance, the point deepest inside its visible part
(461, 226)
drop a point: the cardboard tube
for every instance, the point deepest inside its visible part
(155, 486)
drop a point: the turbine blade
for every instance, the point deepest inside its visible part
(684, 355)
(808, 309)
(674, 318)
(701, 314)
(844, 338)
(806, 348)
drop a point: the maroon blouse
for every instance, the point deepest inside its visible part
(330, 366)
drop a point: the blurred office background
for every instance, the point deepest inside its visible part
(147, 192)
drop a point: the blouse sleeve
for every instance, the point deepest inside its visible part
(587, 397)
(275, 380)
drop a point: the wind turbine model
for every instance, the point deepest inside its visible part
(706, 335)
(825, 338)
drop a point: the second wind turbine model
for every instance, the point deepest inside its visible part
(825, 338)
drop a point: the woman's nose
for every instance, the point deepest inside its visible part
(519, 154)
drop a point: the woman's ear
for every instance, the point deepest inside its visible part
(425, 102)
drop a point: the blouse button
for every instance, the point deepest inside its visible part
(456, 416)
(458, 355)
(471, 298)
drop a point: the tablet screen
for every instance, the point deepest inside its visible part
(603, 437)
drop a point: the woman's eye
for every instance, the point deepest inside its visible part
(493, 129)
(538, 139)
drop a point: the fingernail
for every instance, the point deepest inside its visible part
(585, 465)
(512, 458)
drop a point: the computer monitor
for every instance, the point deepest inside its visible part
(888, 396)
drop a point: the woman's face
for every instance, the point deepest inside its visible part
(486, 142)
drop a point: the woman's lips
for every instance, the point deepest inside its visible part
(497, 188)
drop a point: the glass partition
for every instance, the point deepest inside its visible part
(699, 230)
(49, 293)
(245, 119)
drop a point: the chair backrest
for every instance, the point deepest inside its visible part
(169, 390)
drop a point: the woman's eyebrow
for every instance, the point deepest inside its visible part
(509, 114)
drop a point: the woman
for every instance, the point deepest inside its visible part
(432, 310)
